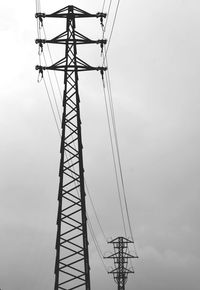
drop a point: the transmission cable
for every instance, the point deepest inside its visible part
(112, 29)
(109, 89)
(103, 5)
(107, 16)
(96, 243)
(117, 147)
(108, 83)
(114, 161)
(38, 6)
(95, 212)
(52, 109)
(52, 88)
(52, 63)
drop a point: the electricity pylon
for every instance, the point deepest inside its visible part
(72, 259)
(121, 256)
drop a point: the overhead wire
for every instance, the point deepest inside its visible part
(38, 9)
(108, 82)
(52, 63)
(103, 5)
(37, 6)
(114, 161)
(51, 105)
(113, 122)
(107, 110)
(112, 29)
(53, 91)
(108, 13)
(95, 212)
(100, 254)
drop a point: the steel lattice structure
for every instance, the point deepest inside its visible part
(121, 256)
(72, 259)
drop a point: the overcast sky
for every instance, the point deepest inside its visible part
(154, 61)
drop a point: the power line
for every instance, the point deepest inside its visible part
(118, 152)
(109, 90)
(52, 88)
(108, 82)
(112, 29)
(38, 6)
(51, 105)
(100, 254)
(107, 17)
(102, 9)
(95, 212)
(114, 160)
(52, 63)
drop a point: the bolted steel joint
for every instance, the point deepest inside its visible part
(40, 15)
(40, 68)
(102, 15)
(40, 41)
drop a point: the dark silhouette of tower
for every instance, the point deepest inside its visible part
(72, 259)
(121, 256)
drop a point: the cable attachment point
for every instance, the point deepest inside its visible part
(101, 22)
(40, 48)
(40, 42)
(102, 42)
(40, 73)
(102, 76)
(40, 16)
(101, 48)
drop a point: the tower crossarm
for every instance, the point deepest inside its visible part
(116, 241)
(125, 255)
(118, 271)
(70, 68)
(66, 13)
(57, 40)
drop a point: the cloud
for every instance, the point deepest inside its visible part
(154, 67)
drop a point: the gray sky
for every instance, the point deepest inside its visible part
(155, 66)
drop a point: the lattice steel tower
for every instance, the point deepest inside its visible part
(72, 260)
(121, 257)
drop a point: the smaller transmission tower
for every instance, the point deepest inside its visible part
(121, 256)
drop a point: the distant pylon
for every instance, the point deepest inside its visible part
(72, 258)
(121, 256)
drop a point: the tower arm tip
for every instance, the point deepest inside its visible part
(40, 15)
(101, 15)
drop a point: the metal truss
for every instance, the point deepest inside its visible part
(121, 256)
(72, 258)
